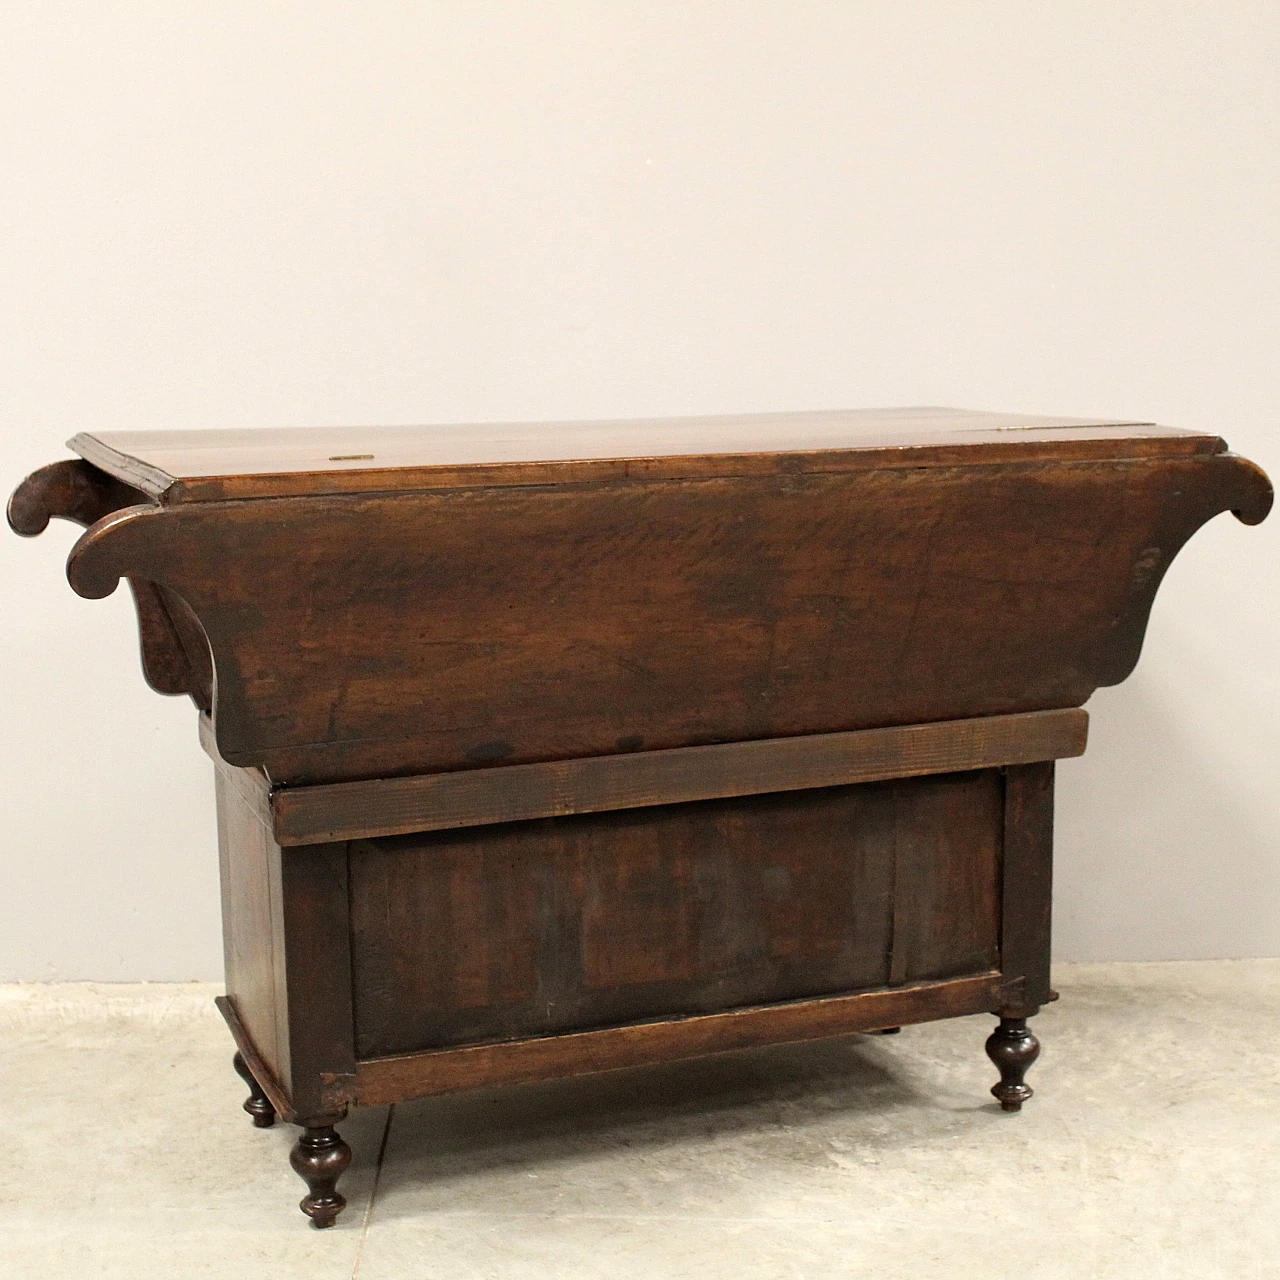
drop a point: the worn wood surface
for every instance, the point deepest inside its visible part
(694, 723)
(391, 1079)
(257, 1105)
(70, 490)
(366, 636)
(175, 654)
(248, 1049)
(317, 979)
(251, 920)
(474, 797)
(1027, 887)
(539, 927)
(287, 951)
(203, 466)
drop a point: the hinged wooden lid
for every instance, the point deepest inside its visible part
(205, 466)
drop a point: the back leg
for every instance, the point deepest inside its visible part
(257, 1104)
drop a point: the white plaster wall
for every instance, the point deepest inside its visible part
(260, 214)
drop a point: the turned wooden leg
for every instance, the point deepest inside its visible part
(257, 1104)
(320, 1157)
(1013, 1048)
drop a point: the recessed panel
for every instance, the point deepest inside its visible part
(560, 924)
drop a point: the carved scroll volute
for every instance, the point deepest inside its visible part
(1206, 488)
(1248, 488)
(68, 490)
(175, 653)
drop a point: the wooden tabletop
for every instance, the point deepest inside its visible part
(202, 466)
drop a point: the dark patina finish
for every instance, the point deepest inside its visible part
(560, 748)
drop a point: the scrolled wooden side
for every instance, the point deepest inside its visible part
(362, 636)
(68, 490)
(1206, 488)
(1250, 490)
(175, 651)
(176, 658)
(122, 544)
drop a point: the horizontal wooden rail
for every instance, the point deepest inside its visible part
(510, 793)
(417, 1075)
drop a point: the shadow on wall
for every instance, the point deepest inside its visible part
(1166, 839)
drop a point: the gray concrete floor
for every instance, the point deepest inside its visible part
(1151, 1149)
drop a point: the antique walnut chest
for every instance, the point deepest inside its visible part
(555, 748)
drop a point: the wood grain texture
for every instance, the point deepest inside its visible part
(252, 784)
(251, 937)
(698, 735)
(384, 807)
(287, 952)
(539, 927)
(947, 847)
(560, 924)
(256, 1063)
(1027, 888)
(317, 975)
(364, 637)
(391, 1079)
(68, 490)
(203, 466)
(175, 655)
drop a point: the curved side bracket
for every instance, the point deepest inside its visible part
(175, 651)
(68, 490)
(1249, 490)
(1230, 483)
(176, 656)
(121, 544)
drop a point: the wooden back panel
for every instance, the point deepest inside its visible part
(560, 924)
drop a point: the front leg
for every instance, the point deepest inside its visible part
(1026, 911)
(320, 1157)
(1013, 1048)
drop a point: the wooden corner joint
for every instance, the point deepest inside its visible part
(337, 1092)
(1013, 1000)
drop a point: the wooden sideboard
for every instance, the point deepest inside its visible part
(554, 748)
